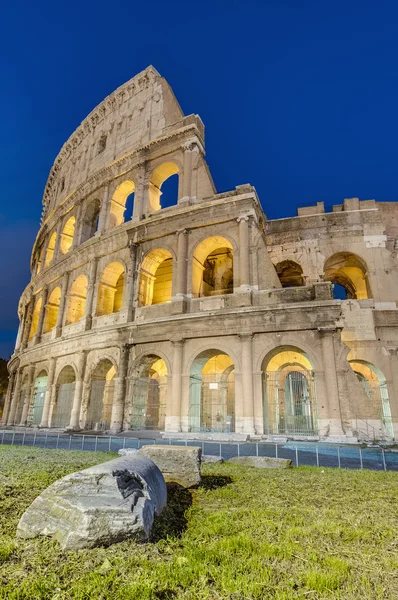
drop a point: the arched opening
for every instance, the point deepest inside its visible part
(159, 176)
(90, 220)
(290, 273)
(156, 275)
(212, 267)
(347, 271)
(65, 390)
(374, 383)
(52, 309)
(50, 249)
(99, 410)
(290, 404)
(66, 241)
(212, 393)
(23, 395)
(35, 318)
(149, 392)
(110, 289)
(77, 300)
(39, 392)
(122, 203)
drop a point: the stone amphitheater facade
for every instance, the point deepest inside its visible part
(202, 319)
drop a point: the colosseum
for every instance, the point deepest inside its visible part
(199, 318)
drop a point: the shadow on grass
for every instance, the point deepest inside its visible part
(172, 522)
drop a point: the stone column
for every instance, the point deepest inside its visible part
(173, 421)
(78, 222)
(130, 280)
(77, 398)
(332, 391)
(48, 395)
(181, 279)
(90, 293)
(187, 172)
(139, 193)
(42, 314)
(62, 304)
(57, 242)
(104, 212)
(29, 396)
(393, 352)
(20, 330)
(244, 252)
(28, 323)
(120, 391)
(247, 381)
(9, 405)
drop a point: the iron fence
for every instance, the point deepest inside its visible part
(301, 454)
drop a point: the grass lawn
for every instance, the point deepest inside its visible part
(303, 533)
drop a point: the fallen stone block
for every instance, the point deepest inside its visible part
(206, 458)
(180, 464)
(127, 451)
(99, 506)
(262, 462)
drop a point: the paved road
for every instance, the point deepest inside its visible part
(309, 454)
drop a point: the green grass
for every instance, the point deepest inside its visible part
(302, 533)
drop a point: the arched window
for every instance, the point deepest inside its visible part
(110, 289)
(212, 393)
(212, 267)
(290, 405)
(290, 273)
(149, 394)
(67, 234)
(35, 318)
(39, 393)
(77, 300)
(52, 309)
(122, 203)
(159, 176)
(90, 220)
(50, 249)
(99, 410)
(156, 274)
(348, 271)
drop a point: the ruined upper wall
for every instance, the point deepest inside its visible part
(138, 112)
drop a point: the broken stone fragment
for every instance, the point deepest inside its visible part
(262, 462)
(127, 451)
(207, 458)
(99, 506)
(180, 464)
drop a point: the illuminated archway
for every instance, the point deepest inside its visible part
(90, 220)
(158, 177)
(212, 393)
(156, 274)
(67, 235)
(212, 267)
(149, 392)
(290, 404)
(65, 389)
(350, 272)
(77, 300)
(110, 289)
(290, 273)
(40, 387)
(102, 390)
(35, 318)
(374, 383)
(50, 249)
(119, 202)
(52, 309)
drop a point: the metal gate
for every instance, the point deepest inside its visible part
(149, 403)
(212, 403)
(290, 406)
(100, 404)
(36, 408)
(63, 406)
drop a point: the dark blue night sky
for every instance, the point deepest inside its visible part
(299, 98)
